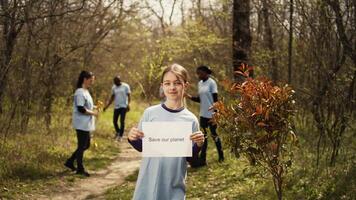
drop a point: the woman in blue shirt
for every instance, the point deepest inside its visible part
(83, 120)
(208, 94)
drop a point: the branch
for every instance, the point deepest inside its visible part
(335, 6)
(172, 11)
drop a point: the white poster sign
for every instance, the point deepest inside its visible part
(167, 139)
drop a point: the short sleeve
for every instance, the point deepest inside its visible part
(144, 118)
(79, 99)
(213, 87)
(195, 126)
(128, 89)
(113, 90)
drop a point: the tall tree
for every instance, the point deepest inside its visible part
(269, 40)
(241, 35)
(11, 26)
(290, 43)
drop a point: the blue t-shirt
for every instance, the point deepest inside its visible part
(163, 178)
(121, 95)
(80, 120)
(206, 90)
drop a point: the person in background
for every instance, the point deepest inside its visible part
(208, 94)
(83, 121)
(163, 178)
(120, 92)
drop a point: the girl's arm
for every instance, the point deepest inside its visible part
(135, 138)
(83, 110)
(215, 97)
(79, 100)
(195, 99)
(137, 144)
(198, 139)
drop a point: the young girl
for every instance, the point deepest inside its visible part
(83, 120)
(163, 178)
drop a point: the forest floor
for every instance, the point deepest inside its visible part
(96, 185)
(31, 167)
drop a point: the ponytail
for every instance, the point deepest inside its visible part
(83, 75)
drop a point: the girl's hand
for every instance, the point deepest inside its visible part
(198, 138)
(135, 134)
(96, 113)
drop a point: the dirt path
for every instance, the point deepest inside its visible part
(100, 181)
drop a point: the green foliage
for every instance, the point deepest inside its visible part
(31, 163)
(194, 39)
(232, 179)
(258, 123)
(236, 179)
(149, 78)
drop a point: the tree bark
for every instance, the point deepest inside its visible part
(11, 27)
(269, 41)
(290, 43)
(349, 49)
(241, 38)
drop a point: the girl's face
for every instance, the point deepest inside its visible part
(173, 87)
(89, 81)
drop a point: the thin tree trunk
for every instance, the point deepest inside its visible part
(10, 30)
(348, 46)
(241, 38)
(290, 43)
(26, 95)
(270, 41)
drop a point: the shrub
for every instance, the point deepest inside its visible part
(258, 125)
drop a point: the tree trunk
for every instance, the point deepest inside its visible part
(26, 93)
(277, 176)
(50, 69)
(348, 46)
(269, 41)
(241, 38)
(277, 181)
(10, 29)
(290, 43)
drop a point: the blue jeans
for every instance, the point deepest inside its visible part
(119, 112)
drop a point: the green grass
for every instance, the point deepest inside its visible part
(232, 179)
(236, 179)
(124, 191)
(132, 117)
(33, 163)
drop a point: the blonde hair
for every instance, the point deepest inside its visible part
(177, 70)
